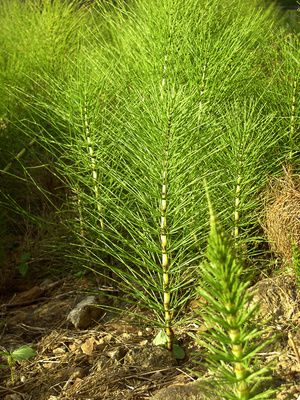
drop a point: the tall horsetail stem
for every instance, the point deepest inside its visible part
(237, 209)
(165, 262)
(80, 213)
(93, 164)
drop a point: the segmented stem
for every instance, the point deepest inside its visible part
(237, 209)
(227, 271)
(240, 371)
(164, 73)
(93, 165)
(165, 262)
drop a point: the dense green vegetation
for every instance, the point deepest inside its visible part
(113, 116)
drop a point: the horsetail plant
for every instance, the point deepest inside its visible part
(135, 124)
(151, 228)
(163, 208)
(249, 138)
(232, 339)
(170, 128)
(143, 155)
(288, 88)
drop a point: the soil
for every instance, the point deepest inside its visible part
(114, 357)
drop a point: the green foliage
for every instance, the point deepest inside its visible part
(232, 340)
(22, 265)
(130, 108)
(20, 354)
(37, 37)
(161, 339)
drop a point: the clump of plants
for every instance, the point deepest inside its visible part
(149, 100)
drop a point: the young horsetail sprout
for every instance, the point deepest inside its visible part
(232, 340)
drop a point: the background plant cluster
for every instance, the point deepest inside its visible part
(113, 115)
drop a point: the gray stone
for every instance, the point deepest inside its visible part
(85, 312)
(13, 396)
(190, 391)
(150, 357)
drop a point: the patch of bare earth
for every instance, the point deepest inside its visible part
(114, 358)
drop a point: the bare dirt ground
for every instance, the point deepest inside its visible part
(114, 358)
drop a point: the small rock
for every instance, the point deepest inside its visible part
(126, 335)
(278, 298)
(190, 391)
(117, 354)
(85, 312)
(150, 357)
(157, 375)
(27, 297)
(88, 346)
(13, 396)
(58, 351)
(103, 363)
(105, 339)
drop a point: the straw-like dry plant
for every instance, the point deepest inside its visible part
(281, 221)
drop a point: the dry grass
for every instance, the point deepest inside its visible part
(282, 215)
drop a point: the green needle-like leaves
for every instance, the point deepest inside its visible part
(130, 107)
(232, 340)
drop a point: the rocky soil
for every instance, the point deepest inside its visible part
(88, 353)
